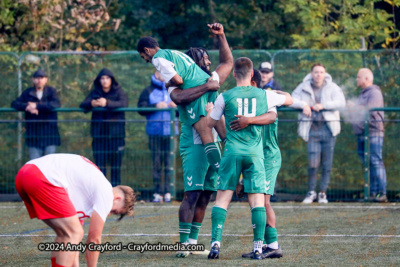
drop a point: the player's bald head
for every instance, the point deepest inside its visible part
(243, 68)
(365, 78)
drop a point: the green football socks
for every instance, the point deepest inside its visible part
(194, 230)
(218, 216)
(213, 155)
(184, 231)
(259, 220)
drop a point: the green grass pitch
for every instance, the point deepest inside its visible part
(339, 234)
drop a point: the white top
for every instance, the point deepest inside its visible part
(273, 100)
(87, 187)
(165, 67)
(39, 94)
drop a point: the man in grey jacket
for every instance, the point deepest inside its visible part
(371, 97)
(319, 124)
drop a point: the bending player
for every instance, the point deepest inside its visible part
(272, 165)
(64, 189)
(243, 153)
(200, 179)
(179, 70)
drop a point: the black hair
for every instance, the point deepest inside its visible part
(256, 78)
(197, 54)
(148, 42)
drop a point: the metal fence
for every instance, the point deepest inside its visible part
(349, 180)
(72, 74)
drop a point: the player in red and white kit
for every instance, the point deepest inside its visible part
(64, 189)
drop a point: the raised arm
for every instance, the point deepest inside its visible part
(225, 55)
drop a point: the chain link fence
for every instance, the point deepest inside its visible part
(73, 73)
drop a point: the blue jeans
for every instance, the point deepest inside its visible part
(37, 152)
(320, 147)
(377, 168)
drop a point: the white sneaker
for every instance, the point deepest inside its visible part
(322, 198)
(167, 197)
(200, 253)
(310, 197)
(157, 198)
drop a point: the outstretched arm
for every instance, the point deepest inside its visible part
(184, 97)
(225, 55)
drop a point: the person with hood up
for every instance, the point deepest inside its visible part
(319, 124)
(108, 126)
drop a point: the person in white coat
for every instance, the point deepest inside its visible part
(319, 124)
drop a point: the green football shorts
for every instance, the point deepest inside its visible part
(197, 174)
(272, 167)
(252, 169)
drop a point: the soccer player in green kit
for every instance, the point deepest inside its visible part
(200, 177)
(272, 164)
(243, 152)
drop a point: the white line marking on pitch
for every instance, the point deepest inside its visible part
(300, 206)
(234, 235)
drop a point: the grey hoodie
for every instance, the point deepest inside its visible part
(332, 98)
(371, 97)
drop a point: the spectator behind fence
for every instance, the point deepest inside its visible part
(158, 128)
(267, 77)
(371, 97)
(318, 128)
(38, 102)
(107, 127)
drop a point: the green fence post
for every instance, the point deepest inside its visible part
(172, 113)
(366, 158)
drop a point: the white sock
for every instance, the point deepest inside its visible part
(216, 242)
(273, 245)
(258, 246)
(192, 241)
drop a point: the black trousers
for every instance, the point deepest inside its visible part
(160, 152)
(109, 150)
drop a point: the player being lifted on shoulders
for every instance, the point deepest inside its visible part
(179, 70)
(200, 177)
(243, 153)
(272, 165)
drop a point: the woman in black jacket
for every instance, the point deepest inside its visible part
(107, 127)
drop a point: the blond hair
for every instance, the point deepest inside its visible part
(129, 199)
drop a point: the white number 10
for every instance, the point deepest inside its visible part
(245, 110)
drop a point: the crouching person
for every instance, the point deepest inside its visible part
(64, 189)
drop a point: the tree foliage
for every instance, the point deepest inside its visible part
(332, 24)
(250, 24)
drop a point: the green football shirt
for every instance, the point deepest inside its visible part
(172, 62)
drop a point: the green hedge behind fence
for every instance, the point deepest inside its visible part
(72, 74)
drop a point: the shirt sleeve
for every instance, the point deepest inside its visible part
(103, 197)
(165, 67)
(170, 89)
(218, 109)
(272, 109)
(274, 99)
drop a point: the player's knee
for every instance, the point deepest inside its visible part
(191, 198)
(77, 234)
